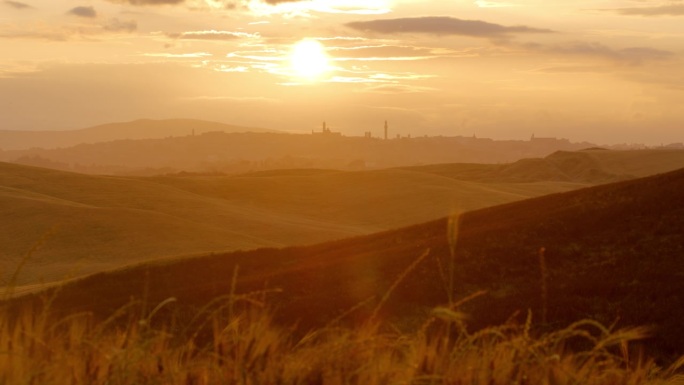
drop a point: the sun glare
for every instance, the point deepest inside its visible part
(308, 59)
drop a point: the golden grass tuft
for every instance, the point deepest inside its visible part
(244, 346)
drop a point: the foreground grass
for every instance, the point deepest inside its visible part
(244, 347)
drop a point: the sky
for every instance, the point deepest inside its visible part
(606, 72)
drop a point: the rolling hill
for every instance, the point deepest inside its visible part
(585, 166)
(58, 225)
(612, 253)
(137, 129)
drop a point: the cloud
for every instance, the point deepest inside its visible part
(307, 8)
(16, 4)
(194, 55)
(212, 35)
(147, 2)
(88, 12)
(572, 69)
(492, 4)
(239, 99)
(397, 89)
(36, 35)
(275, 2)
(382, 52)
(441, 25)
(214, 5)
(70, 33)
(644, 53)
(116, 25)
(630, 55)
(661, 10)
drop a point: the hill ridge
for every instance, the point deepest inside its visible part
(135, 129)
(569, 166)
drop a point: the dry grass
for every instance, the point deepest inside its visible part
(247, 348)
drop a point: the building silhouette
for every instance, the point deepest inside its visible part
(326, 131)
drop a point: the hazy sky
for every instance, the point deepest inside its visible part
(604, 71)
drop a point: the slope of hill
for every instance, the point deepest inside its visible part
(94, 223)
(588, 166)
(137, 129)
(612, 253)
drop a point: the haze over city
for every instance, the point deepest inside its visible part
(598, 71)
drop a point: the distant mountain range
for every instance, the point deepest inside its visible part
(138, 129)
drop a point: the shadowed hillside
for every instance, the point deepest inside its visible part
(94, 223)
(613, 253)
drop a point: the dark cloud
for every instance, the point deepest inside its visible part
(16, 4)
(662, 10)
(88, 12)
(147, 2)
(116, 25)
(441, 25)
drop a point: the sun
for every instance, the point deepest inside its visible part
(308, 59)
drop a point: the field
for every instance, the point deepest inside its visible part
(61, 225)
(86, 224)
(623, 272)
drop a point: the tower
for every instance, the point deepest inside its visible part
(385, 130)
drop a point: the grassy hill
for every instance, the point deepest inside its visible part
(612, 253)
(93, 223)
(587, 166)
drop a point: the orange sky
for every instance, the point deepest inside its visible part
(602, 71)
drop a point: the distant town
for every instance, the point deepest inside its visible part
(206, 147)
